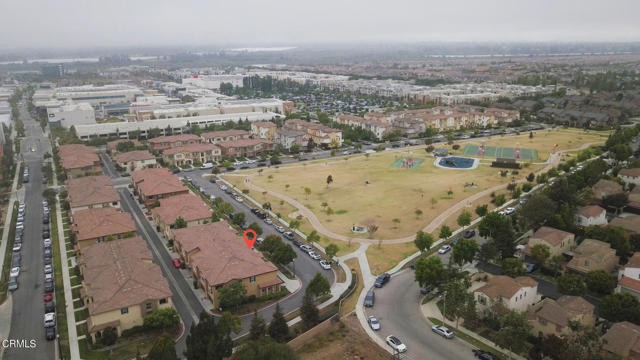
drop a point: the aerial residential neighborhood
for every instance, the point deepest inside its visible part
(302, 181)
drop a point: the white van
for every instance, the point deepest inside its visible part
(206, 166)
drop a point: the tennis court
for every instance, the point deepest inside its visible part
(407, 163)
(501, 152)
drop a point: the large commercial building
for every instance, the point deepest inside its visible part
(69, 115)
(96, 95)
(212, 82)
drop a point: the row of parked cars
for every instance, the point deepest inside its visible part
(49, 287)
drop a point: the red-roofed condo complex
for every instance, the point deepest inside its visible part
(155, 184)
(78, 160)
(218, 256)
(167, 142)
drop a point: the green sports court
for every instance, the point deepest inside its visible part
(407, 163)
(501, 152)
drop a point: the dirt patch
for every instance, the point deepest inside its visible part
(346, 340)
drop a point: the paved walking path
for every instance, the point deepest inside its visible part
(68, 297)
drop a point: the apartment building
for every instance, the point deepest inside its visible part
(92, 226)
(192, 153)
(167, 142)
(245, 147)
(287, 138)
(214, 137)
(91, 192)
(378, 128)
(321, 135)
(630, 176)
(135, 160)
(191, 208)
(155, 184)
(78, 160)
(263, 130)
(120, 285)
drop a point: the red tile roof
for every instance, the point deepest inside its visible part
(138, 155)
(224, 133)
(242, 143)
(264, 124)
(590, 211)
(630, 223)
(76, 156)
(551, 235)
(191, 148)
(157, 181)
(119, 274)
(91, 190)
(630, 283)
(174, 138)
(505, 287)
(630, 172)
(188, 206)
(220, 254)
(99, 222)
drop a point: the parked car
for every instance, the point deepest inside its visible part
(381, 280)
(47, 242)
(45, 234)
(297, 243)
(509, 211)
(426, 290)
(279, 229)
(50, 319)
(13, 284)
(325, 264)
(314, 256)
(306, 248)
(395, 343)
(289, 235)
(374, 324)
(47, 253)
(48, 269)
(49, 306)
(259, 240)
(50, 333)
(48, 286)
(15, 271)
(484, 355)
(529, 267)
(268, 221)
(444, 249)
(469, 234)
(455, 241)
(206, 166)
(17, 247)
(176, 263)
(442, 331)
(45, 219)
(238, 199)
(370, 298)
(47, 297)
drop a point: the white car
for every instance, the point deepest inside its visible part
(206, 166)
(314, 256)
(238, 199)
(268, 221)
(306, 248)
(50, 319)
(47, 242)
(279, 229)
(14, 272)
(223, 187)
(48, 269)
(395, 343)
(442, 331)
(444, 249)
(17, 247)
(325, 264)
(509, 211)
(374, 323)
(259, 240)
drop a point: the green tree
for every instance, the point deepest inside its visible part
(284, 255)
(264, 349)
(445, 232)
(487, 252)
(512, 267)
(198, 338)
(239, 218)
(278, 328)
(255, 227)
(258, 327)
(294, 149)
(498, 227)
(464, 251)
(621, 152)
(232, 295)
(540, 253)
(464, 219)
(180, 223)
(164, 348)
(331, 250)
(329, 180)
(162, 319)
(418, 213)
(514, 331)
(423, 241)
(319, 285)
(570, 284)
(600, 281)
(429, 271)
(307, 192)
(620, 307)
(309, 312)
(225, 208)
(314, 237)
(481, 210)
(109, 336)
(537, 210)
(455, 298)
(531, 177)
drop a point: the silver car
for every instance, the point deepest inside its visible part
(374, 323)
(442, 331)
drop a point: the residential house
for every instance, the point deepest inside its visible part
(558, 241)
(604, 188)
(591, 215)
(112, 146)
(166, 142)
(409, 127)
(98, 225)
(191, 208)
(630, 223)
(319, 134)
(551, 317)
(217, 256)
(155, 184)
(629, 276)
(91, 192)
(78, 160)
(630, 176)
(514, 294)
(263, 130)
(120, 285)
(623, 340)
(215, 137)
(377, 116)
(378, 128)
(593, 255)
(135, 160)
(633, 203)
(287, 138)
(245, 147)
(191, 154)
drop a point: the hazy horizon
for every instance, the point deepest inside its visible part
(74, 24)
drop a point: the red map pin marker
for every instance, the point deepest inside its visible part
(248, 241)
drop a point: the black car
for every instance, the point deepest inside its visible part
(426, 290)
(276, 162)
(261, 164)
(45, 219)
(484, 355)
(231, 168)
(261, 215)
(48, 286)
(382, 279)
(469, 234)
(49, 306)
(45, 235)
(244, 167)
(50, 333)
(47, 253)
(175, 171)
(213, 181)
(255, 210)
(45, 227)
(297, 243)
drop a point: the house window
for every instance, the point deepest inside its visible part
(148, 306)
(124, 311)
(252, 279)
(163, 301)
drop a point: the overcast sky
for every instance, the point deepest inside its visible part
(93, 23)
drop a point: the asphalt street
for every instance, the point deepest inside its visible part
(27, 319)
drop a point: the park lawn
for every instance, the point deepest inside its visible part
(543, 141)
(388, 201)
(452, 221)
(384, 257)
(277, 206)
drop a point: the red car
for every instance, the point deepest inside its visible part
(176, 263)
(48, 297)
